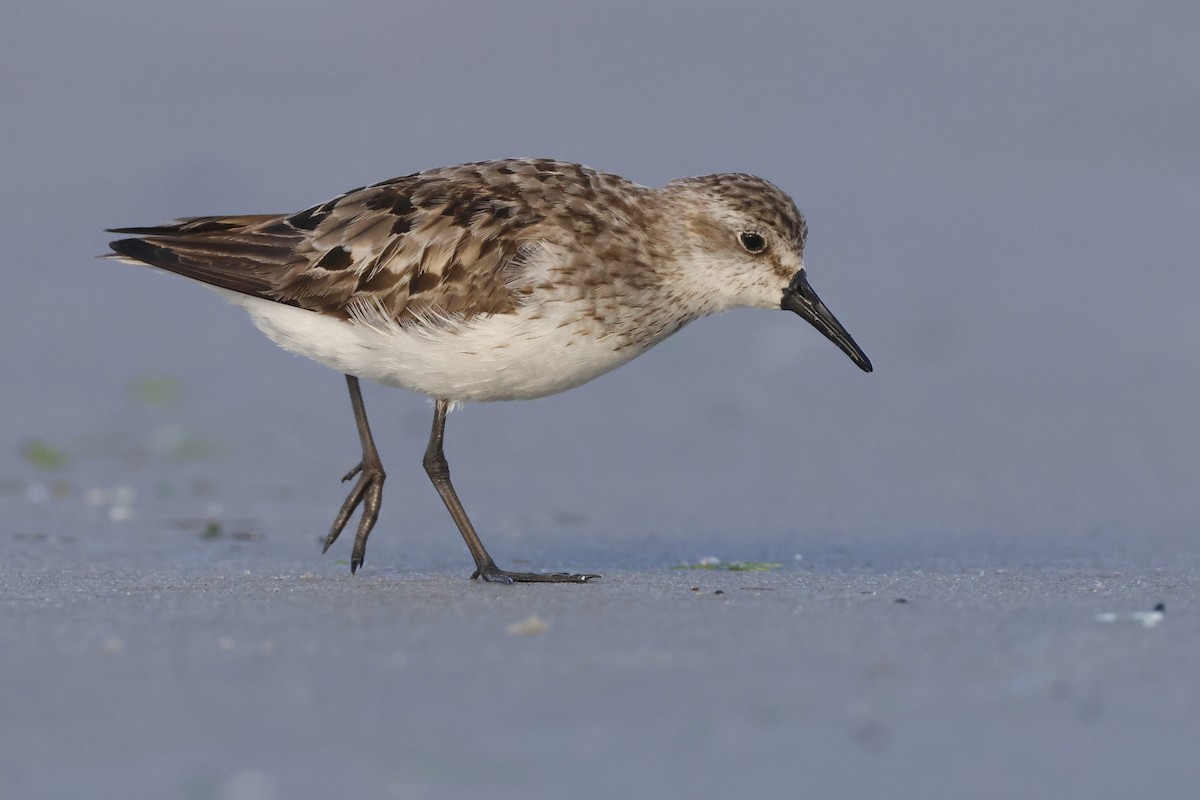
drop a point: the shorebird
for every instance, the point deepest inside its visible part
(497, 280)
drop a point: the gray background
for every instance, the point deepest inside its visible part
(1002, 201)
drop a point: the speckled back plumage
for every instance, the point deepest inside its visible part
(434, 244)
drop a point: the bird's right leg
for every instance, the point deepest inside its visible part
(368, 492)
(485, 568)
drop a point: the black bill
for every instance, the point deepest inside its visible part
(801, 298)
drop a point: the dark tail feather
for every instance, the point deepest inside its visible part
(243, 254)
(236, 271)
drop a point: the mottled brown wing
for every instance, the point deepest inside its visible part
(414, 248)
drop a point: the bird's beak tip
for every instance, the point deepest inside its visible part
(800, 298)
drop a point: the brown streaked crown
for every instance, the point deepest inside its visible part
(755, 199)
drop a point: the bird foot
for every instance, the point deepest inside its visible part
(493, 574)
(367, 492)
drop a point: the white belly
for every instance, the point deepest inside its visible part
(503, 357)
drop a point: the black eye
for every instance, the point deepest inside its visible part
(753, 242)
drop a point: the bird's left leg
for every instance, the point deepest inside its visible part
(368, 492)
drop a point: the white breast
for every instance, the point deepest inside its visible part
(503, 357)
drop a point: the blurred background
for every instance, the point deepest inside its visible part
(1002, 200)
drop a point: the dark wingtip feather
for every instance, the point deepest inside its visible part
(144, 251)
(168, 229)
(192, 226)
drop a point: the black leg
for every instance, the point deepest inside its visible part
(485, 567)
(368, 492)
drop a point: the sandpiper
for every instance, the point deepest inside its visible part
(497, 280)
